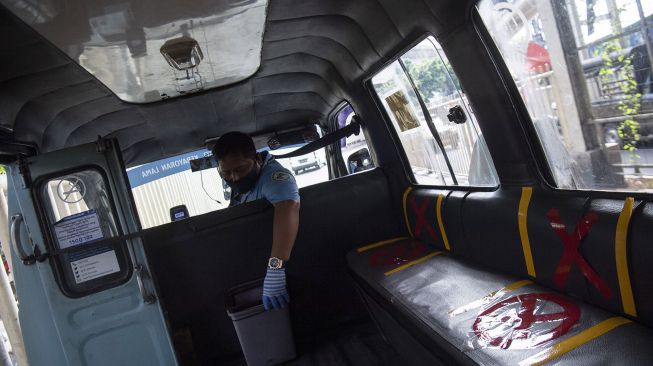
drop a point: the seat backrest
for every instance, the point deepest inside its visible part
(196, 260)
(595, 249)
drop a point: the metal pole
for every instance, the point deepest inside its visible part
(8, 307)
(615, 21)
(576, 25)
(429, 121)
(4, 221)
(5, 359)
(577, 79)
(9, 314)
(644, 26)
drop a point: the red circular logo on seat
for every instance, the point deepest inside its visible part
(526, 321)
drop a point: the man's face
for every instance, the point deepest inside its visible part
(235, 166)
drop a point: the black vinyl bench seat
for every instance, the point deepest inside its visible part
(436, 308)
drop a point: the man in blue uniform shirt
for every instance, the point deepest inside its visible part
(254, 176)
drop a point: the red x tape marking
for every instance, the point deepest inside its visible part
(420, 214)
(526, 321)
(398, 254)
(571, 255)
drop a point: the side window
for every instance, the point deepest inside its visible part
(308, 169)
(167, 183)
(583, 69)
(354, 149)
(430, 113)
(80, 215)
(164, 188)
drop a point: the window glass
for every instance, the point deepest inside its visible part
(440, 151)
(169, 183)
(583, 69)
(80, 216)
(308, 169)
(354, 149)
(82, 194)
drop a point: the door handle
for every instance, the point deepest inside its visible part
(140, 274)
(16, 243)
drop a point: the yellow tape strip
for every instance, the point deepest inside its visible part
(412, 263)
(571, 343)
(410, 231)
(440, 223)
(379, 244)
(489, 297)
(621, 255)
(526, 193)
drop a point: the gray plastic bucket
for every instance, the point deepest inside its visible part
(265, 336)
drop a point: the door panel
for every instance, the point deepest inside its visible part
(37, 324)
(83, 288)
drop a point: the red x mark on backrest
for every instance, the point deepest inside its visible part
(571, 255)
(420, 214)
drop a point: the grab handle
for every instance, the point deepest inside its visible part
(16, 243)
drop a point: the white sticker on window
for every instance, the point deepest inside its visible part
(95, 266)
(78, 229)
(402, 110)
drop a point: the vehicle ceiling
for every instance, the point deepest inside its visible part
(315, 54)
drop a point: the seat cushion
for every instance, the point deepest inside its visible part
(489, 318)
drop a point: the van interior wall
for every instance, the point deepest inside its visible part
(195, 261)
(383, 148)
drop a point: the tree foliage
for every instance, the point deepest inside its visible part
(432, 78)
(630, 100)
(383, 88)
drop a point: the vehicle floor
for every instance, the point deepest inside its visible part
(359, 345)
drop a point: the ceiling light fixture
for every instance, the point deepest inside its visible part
(182, 53)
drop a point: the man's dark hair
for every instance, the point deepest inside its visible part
(234, 142)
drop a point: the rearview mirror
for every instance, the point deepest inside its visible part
(359, 161)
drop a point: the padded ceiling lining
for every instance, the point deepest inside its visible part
(314, 53)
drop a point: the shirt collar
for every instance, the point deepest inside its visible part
(266, 157)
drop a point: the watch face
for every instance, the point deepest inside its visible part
(274, 263)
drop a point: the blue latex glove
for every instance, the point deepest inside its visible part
(274, 289)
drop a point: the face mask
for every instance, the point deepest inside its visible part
(244, 184)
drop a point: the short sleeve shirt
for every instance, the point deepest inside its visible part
(275, 184)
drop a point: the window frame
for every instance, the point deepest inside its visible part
(119, 243)
(543, 169)
(137, 196)
(340, 164)
(368, 84)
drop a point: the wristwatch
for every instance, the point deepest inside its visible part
(275, 263)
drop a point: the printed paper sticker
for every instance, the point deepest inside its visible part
(95, 266)
(78, 229)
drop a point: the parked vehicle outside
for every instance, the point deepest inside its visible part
(301, 164)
